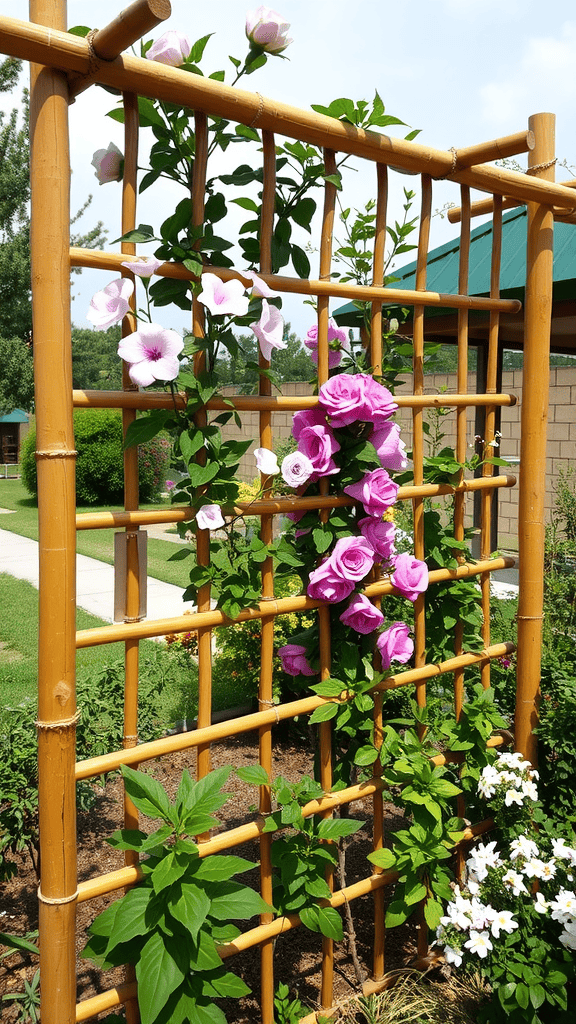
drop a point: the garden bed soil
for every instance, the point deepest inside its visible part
(297, 953)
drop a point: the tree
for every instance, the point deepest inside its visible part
(95, 362)
(16, 387)
(290, 363)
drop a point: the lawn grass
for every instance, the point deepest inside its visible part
(94, 543)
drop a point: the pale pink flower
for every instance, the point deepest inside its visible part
(267, 30)
(143, 266)
(152, 352)
(269, 329)
(172, 48)
(259, 287)
(389, 446)
(209, 517)
(266, 461)
(109, 164)
(296, 469)
(294, 660)
(381, 535)
(108, 306)
(223, 298)
(410, 576)
(337, 343)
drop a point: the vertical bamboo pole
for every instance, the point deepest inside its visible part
(492, 385)
(50, 242)
(131, 497)
(325, 729)
(538, 311)
(461, 417)
(267, 647)
(418, 458)
(202, 536)
(376, 360)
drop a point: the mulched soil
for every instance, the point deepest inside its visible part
(297, 954)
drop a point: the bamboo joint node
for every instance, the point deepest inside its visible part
(443, 177)
(58, 453)
(57, 900)
(270, 704)
(64, 723)
(133, 618)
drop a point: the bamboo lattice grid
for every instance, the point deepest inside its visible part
(63, 66)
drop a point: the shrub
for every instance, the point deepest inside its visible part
(99, 465)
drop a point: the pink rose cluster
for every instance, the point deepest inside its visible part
(344, 400)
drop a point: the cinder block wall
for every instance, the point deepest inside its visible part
(561, 449)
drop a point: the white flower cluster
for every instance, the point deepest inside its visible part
(480, 920)
(511, 776)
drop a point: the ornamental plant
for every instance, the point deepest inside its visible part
(514, 919)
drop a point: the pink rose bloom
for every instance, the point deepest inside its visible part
(391, 449)
(223, 298)
(344, 398)
(172, 48)
(326, 585)
(376, 491)
(143, 266)
(319, 445)
(380, 535)
(380, 401)
(269, 329)
(152, 352)
(108, 306)
(410, 576)
(394, 644)
(109, 164)
(308, 418)
(267, 30)
(361, 615)
(296, 469)
(209, 517)
(337, 343)
(352, 558)
(294, 660)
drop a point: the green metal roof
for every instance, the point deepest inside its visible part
(442, 273)
(16, 416)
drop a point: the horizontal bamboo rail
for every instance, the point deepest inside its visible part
(92, 767)
(146, 78)
(116, 996)
(276, 506)
(497, 149)
(213, 619)
(486, 206)
(111, 881)
(90, 259)
(257, 403)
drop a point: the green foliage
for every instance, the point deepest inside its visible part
(286, 1010)
(95, 362)
(171, 925)
(99, 464)
(239, 366)
(17, 375)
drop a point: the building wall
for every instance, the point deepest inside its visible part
(561, 448)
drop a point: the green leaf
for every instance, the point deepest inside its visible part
(158, 975)
(238, 902)
(79, 30)
(225, 984)
(191, 908)
(203, 953)
(330, 923)
(254, 775)
(146, 794)
(522, 995)
(416, 892)
(385, 859)
(169, 870)
(300, 261)
(366, 755)
(143, 233)
(329, 688)
(145, 428)
(432, 913)
(200, 475)
(223, 867)
(336, 828)
(324, 713)
(396, 913)
(15, 941)
(130, 919)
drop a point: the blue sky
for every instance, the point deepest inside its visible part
(463, 71)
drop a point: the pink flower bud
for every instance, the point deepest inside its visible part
(109, 164)
(267, 30)
(361, 615)
(108, 306)
(394, 644)
(294, 661)
(410, 576)
(209, 517)
(143, 266)
(266, 461)
(172, 48)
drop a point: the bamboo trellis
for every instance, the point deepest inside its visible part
(62, 67)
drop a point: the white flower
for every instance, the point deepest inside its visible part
(513, 797)
(209, 517)
(296, 469)
(529, 789)
(568, 936)
(266, 462)
(503, 922)
(452, 956)
(515, 882)
(540, 904)
(479, 942)
(564, 906)
(535, 868)
(563, 852)
(523, 847)
(482, 858)
(548, 870)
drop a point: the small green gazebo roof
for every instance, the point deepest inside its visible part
(16, 416)
(442, 275)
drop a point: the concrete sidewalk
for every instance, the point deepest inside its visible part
(94, 580)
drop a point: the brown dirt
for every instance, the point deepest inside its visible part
(297, 954)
